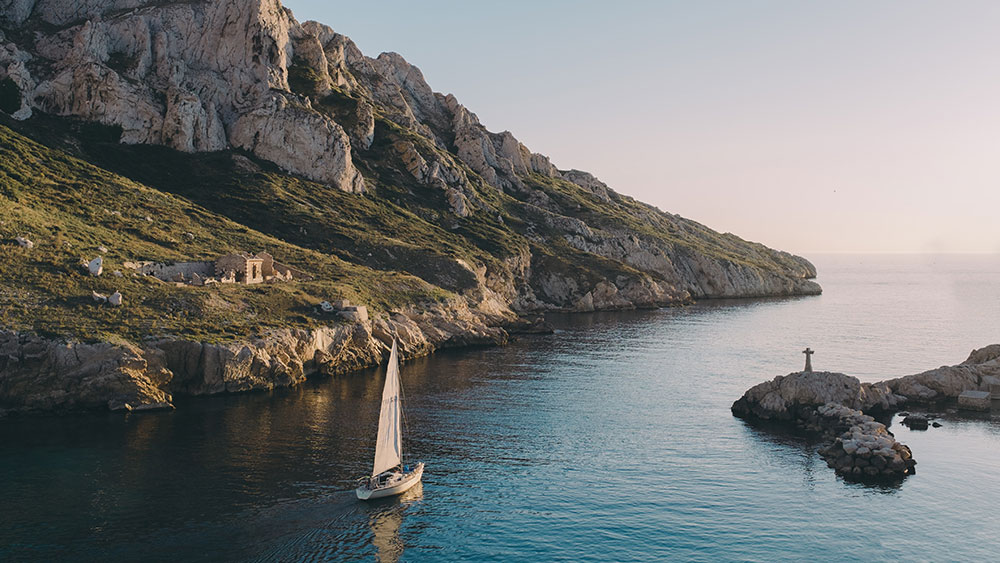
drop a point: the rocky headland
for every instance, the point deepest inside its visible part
(181, 131)
(844, 410)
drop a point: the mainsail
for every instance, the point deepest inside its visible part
(389, 447)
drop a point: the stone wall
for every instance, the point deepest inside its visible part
(168, 271)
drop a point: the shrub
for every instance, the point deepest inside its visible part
(10, 96)
(303, 79)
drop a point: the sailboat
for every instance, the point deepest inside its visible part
(390, 476)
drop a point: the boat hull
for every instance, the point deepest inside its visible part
(406, 483)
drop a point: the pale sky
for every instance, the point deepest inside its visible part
(807, 126)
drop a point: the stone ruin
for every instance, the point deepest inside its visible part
(344, 309)
(238, 267)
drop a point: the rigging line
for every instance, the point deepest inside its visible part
(402, 411)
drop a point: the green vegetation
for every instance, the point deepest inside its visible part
(71, 187)
(69, 208)
(10, 96)
(303, 79)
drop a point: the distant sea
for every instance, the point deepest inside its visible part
(610, 440)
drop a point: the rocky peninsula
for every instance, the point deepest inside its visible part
(843, 410)
(143, 131)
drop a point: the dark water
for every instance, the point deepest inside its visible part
(610, 440)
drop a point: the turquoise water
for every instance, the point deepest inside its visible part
(610, 440)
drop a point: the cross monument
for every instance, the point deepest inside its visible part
(808, 352)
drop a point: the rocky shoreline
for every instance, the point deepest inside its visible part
(839, 408)
(39, 374)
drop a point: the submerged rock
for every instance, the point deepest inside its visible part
(916, 422)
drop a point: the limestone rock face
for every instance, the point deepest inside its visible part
(303, 142)
(196, 76)
(988, 356)
(214, 75)
(39, 374)
(587, 181)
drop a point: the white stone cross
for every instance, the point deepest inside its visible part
(808, 352)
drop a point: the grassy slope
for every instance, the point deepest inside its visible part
(69, 208)
(395, 245)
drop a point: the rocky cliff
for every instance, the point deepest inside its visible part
(211, 76)
(46, 374)
(161, 130)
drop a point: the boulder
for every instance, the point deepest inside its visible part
(96, 266)
(974, 400)
(115, 299)
(355, 314)
(24, 242)
(916, 422)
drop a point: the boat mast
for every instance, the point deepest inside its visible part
(389, 443)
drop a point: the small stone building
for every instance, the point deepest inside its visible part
(242, 267)
(238, 267)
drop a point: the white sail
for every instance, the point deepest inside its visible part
(389, 447)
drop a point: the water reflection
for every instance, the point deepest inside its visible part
(386, 520)
(633, 408)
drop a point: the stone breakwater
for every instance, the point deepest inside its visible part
(864, 448)
(39, 374)
(838, 407)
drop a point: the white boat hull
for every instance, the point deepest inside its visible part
(399, 487)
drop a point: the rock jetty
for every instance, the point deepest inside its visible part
(840, 408)
(863, 449)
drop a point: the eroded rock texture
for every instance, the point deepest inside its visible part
(41, 374)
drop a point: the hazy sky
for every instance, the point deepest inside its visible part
(808, 126)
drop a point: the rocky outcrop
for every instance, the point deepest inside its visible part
(40, 374)
(976, 373)
(785, 398)
(832, 404)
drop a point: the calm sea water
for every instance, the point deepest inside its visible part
(610, 440)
